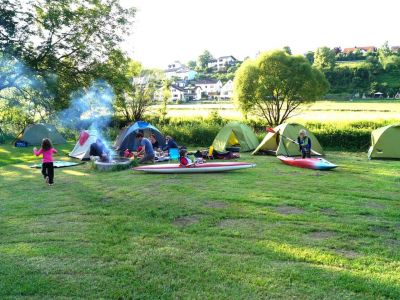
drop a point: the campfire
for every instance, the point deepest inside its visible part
(112, 164)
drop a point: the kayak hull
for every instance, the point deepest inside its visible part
(308, 163)
(202, 168)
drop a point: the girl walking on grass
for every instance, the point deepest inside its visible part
(47, 151)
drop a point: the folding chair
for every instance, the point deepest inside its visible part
(174, 154)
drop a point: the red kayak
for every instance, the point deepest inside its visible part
(316, 163)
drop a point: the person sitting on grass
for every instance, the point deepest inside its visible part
(169, 143)
(184, 159)
(304, 144)
(154, 142)
(147, 149)
(98, 149)
(47, 151)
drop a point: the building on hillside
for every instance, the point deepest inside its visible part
(227, 90)
(364, 49)
(210, 88)
(395, 49)
(180, 93)
(179, 70)
(222, 63)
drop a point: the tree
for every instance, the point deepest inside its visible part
(310, 56)
(61, 40)
(192, 64)
(324, 58)
(287, 50)
(136, 100)
(275, 84)
(204, 59)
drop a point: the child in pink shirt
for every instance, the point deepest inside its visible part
(47, 152)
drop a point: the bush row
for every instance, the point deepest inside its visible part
(350, 136)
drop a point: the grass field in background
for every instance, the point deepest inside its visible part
(270, 232)
(318, 111)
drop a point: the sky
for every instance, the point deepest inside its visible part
(169, 30)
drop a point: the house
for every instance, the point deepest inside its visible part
(223, 62)
(179, 70)
(364, 49)
(181, 94)
(395, 49)
(227, 90)
(210, 87)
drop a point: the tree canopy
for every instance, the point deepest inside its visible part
(48, 49)
(275, 84)
(324, 58)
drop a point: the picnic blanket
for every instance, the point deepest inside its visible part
(58, 164)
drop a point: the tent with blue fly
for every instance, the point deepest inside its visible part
(127, 137)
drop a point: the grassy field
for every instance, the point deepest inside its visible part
(266, 233)
(318, 111)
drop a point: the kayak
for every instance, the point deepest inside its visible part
(308, 163)
(200, 168)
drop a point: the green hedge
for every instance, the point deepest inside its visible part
(349, 136)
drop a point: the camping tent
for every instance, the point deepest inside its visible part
(127, 137)
(35, 133)
(273, 143)
(385, 142)
(234, 134)
(82, 147)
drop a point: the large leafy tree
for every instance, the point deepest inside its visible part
(324, 58)
(275, 84)
(60, 42)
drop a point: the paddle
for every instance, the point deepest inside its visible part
(271, 130)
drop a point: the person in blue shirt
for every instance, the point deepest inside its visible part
(304, 143)
(169, 143)
(147, 149)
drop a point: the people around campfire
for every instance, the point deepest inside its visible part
(169, 143)
(145, 149)
(99, 150)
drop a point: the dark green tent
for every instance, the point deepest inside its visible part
(34, 134)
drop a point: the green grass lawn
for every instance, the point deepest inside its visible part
(270, 232)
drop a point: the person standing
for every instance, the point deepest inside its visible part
(304, 143)
(47, 152)
(147, 149)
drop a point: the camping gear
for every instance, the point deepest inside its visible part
(21, 144)
(34, 134)
(82, 147)
(385, 142)
(269, 129)
(316, 163)
(173, 154)
(127, 137)
(274, 144)
(201, 168)
(57, 164)
(233, 135)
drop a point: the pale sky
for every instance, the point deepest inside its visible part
(169, 30)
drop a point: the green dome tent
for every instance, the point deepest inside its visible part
(34, 134)
(385, 142)
(234, 134)
(274, 144)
